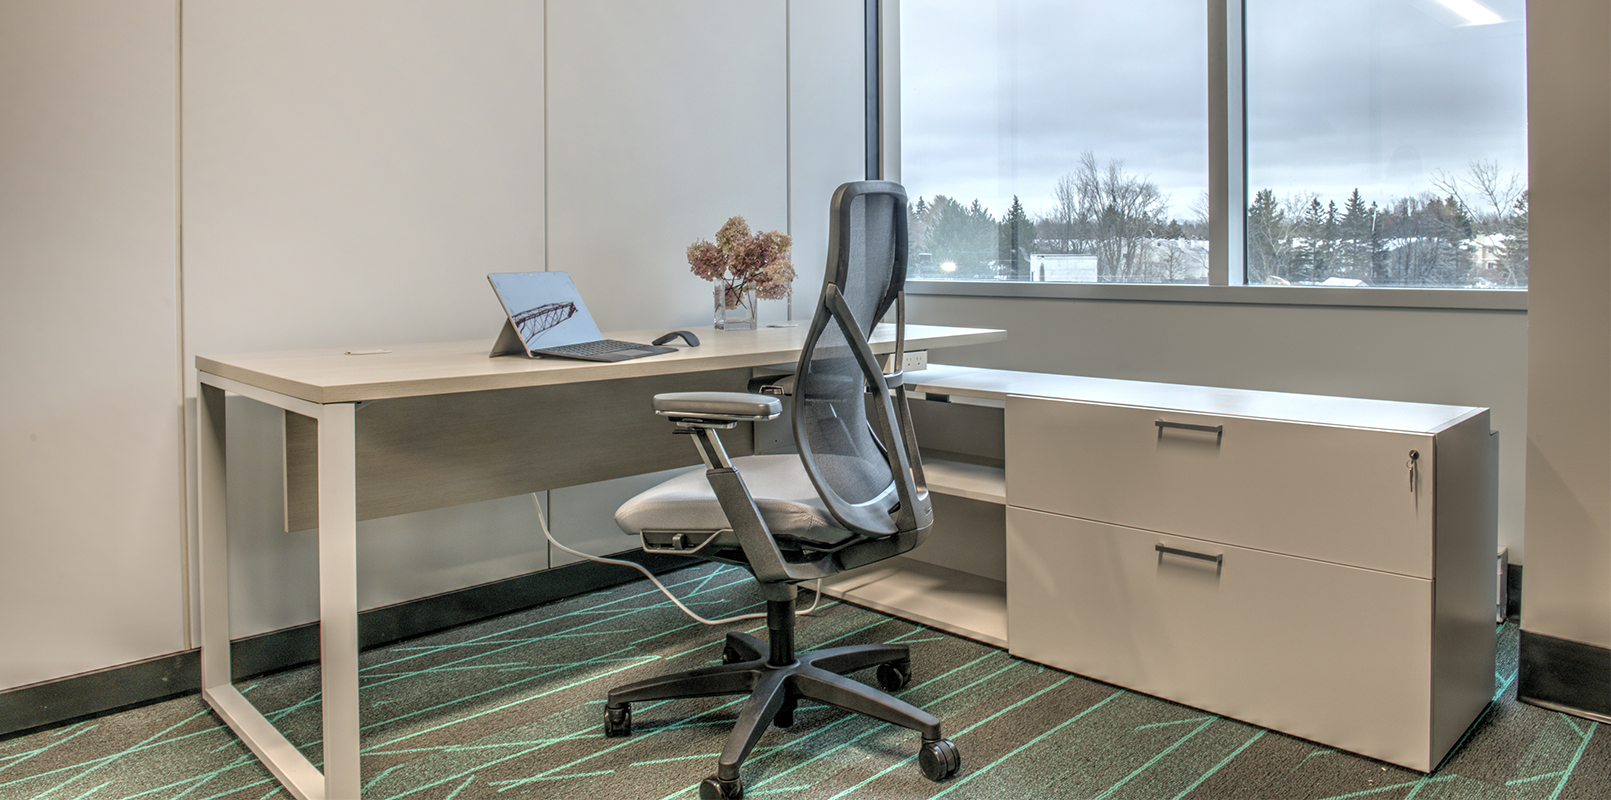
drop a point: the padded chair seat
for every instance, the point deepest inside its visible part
(787, 500)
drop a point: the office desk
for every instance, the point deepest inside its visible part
(441, 424)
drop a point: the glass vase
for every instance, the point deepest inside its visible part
(735, 308)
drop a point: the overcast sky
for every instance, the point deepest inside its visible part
(1000, 97)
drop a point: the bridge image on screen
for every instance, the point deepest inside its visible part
(533, 322)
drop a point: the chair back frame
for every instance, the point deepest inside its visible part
(904, 506)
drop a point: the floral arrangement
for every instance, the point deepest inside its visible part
(745, 261)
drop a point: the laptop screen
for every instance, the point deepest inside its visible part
(545, 308)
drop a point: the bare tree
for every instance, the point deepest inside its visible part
(1490, 199)
(1483, 193)
(1110, 213)
(1064, 229)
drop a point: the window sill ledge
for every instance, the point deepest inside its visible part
(1450, 299)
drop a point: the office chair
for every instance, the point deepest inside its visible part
(853, 495)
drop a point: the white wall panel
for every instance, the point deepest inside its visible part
(1567, 591)
(90, 495)
(664, 119)
(353, 169)
(827, 120)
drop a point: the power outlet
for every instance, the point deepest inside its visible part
(915, 361)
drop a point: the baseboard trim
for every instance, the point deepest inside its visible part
(68, 699)
(1563, 675)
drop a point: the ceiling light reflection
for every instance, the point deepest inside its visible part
(1473, 12)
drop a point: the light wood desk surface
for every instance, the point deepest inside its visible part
(416, 370)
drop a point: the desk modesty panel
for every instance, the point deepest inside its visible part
(433, 451)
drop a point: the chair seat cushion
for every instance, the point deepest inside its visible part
(782, 491)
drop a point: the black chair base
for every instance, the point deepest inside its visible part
(776, 682)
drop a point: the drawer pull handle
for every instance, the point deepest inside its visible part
(1217, 430)
(1175, 551)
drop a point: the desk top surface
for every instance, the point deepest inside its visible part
(411, 370)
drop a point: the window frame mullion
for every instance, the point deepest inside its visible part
(1227, 143)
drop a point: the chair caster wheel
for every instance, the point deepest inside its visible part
(939, 759)
(617, 721)
(714, 788)
(894, 675)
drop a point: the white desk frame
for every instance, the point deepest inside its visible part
(328, 386)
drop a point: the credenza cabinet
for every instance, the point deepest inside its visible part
(1319, 566)
(1323, 569)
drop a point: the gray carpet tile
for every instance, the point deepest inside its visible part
(513, 708)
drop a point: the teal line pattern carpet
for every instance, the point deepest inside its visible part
(513, 708)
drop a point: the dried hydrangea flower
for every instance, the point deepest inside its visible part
(744, 261)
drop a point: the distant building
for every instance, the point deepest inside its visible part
(1063, 268)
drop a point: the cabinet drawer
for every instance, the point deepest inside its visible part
(1335, 654)
(1331, 493)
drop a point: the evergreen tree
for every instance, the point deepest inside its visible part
(916, 239)
(1426, 233)
(1456, 240)
(1376, 247)
(1305, 255)
(1313, 259)
(1266, 245)
(962, 236)
(1330, 230)
(1356, 228)
(1016, 242)
(1515, 258)
(1459, 221)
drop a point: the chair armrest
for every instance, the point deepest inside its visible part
(727, 406)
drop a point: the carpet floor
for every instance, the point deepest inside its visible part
(513, 708)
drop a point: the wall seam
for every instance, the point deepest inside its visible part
(788, 136)
(179, 316)
(546, 497)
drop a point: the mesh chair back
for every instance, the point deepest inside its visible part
(856, 446)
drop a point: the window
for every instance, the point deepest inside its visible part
(1040, 140)
(1386, 143)
(1068, 141)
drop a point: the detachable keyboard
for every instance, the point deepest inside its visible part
(599, 347)
(604, 350)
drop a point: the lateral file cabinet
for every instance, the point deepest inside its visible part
(1318, 566)
(1276, 558)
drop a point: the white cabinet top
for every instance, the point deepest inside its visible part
(996, 384)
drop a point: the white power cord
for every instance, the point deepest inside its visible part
(543, 522)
